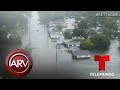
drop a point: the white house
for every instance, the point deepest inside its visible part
(70, 23)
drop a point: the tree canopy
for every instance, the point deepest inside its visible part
(87, 44)
(9, 23)
(67, 34)
(100, 41)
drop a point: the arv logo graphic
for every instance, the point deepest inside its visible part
(18, 63)
(102, 60)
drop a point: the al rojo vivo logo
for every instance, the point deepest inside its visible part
(18, 63)
(102, 65)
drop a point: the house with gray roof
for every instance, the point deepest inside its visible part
(81, 54)
(70, 42)
(73, 48)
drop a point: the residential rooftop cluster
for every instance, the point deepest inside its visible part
(69, 45)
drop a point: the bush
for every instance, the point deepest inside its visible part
(67, 34)
(87, 44)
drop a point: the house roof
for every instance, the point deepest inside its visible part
(71, 42)
(54, 35)
(57, 30)
(73, 48)
(81, 52)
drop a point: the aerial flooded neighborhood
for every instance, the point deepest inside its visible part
(63, 44)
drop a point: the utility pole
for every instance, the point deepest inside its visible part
(57, 60)
(56, 52)
(29, 29)
(29, 36)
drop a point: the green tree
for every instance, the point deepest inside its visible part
(111, 24)
(60, 26)
(67, 34)
(101, 41)
(9, 25)
(83, 27)
(108, 24)
(76, 32)
(92, 32)
(107, 32)
(87, 44)
(83, 24)
(118, 37)
(92, 20)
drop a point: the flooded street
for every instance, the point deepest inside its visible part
(44, 57)
(43, 51)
